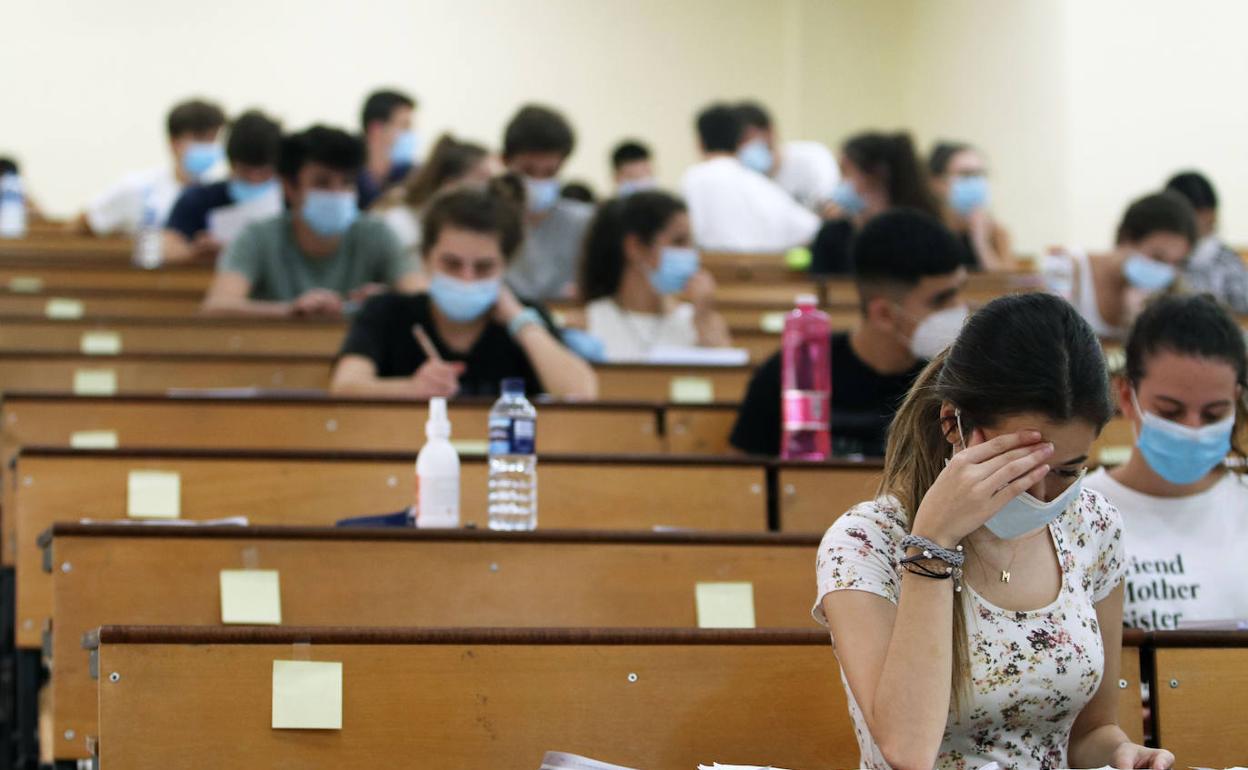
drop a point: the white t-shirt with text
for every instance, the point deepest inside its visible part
(1185, 562)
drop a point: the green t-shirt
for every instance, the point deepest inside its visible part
(266, 253)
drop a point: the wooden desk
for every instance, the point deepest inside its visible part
(41, 275)
(376, 578)
(1200, 696)
(465, 700)
(699, 428)
(37, 371)
(655, 383)
(106, 303)
(813, 495)
(165, 336)
(318, 489)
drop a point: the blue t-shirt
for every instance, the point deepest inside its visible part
(189, 215)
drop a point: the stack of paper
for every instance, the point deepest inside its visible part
(557, 760)
(718, 766)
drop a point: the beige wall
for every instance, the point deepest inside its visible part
(1079, 105)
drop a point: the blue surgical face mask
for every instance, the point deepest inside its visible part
(405, 148)
(541, 195)
(756, 155)
(329, 213)
(630, 186)
(846, 197)
(676, 266)
(199, 158)
(1178, 453)
(1025, 514)
(968, 193)
(1148, 274)
(242, 191)
(464, 301)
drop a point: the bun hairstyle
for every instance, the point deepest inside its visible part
(643, 214)
(890, 157)
(999, 366)
(493, 210)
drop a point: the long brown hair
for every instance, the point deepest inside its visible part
(1019, 354)
(449, 160)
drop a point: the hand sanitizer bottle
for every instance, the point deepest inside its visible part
(437, 473)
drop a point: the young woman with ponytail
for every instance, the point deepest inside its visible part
(976, 604)
(879, 171)
(1183, 493)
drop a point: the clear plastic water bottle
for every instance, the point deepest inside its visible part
(147, 246)
(806, 386)
(513, 460)
(12, 207)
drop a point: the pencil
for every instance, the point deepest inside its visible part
(426, 344)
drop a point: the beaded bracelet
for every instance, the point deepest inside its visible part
(933, 551)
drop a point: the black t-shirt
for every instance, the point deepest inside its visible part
(970, 259)
(863, 405)
(189, 215)
(382, 332)
(369, 189)
(829, 253)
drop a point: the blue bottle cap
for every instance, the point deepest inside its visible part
(513, 386)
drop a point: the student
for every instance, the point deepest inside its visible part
(733, 208)
(1185, 395)
(536, 143)
(1213, 266)
(632, 168)
(252, 149)
(960, 179)
(34, 213)
(193, 128)
(391, 143)
(638, 259)
(451, 163)
(879, 171)
(479, 330)
(910, 279)
(579, 191)
(806, 170)
(1154, 237)
(322, 252)
(976, 604)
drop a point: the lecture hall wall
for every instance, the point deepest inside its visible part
(1079, 104)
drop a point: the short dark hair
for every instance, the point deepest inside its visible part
(492, 211)
(628, 151)
(753, 115)
(578, 191)
(1196, 188)
(1163, 212)
(643, 214)
(195, 116)
(1191, 325)
(255, 140)
(8, 166)
(380, 106)
(898, 249)
(719, 128)
(330, 147)
(942, 153)
(536, 128)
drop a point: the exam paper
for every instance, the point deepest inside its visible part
(226, 222)
(557, 760)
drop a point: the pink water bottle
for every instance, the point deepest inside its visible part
(806, 383)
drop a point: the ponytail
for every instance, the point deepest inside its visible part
(644, 215)
(891, 159)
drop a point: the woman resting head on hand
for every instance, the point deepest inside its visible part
(976, 604)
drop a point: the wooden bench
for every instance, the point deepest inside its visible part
(470, 699)
(42, 275)
(319, 489)
(378, 578)
(105, 303)
(165, 336)
(1200, 696)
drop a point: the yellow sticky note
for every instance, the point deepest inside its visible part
(797, 258)
(307, 695)
(772, 323)
(95, 382)
(471, 446)
(251, 596)
(692, 390)
(93, 439)
(154, 495)
(725, 605)
(62, 309)
(1114, 455)
(100, 343)
(25, 284)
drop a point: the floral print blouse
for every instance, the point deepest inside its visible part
(1031, 672)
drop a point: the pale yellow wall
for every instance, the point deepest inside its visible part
(87, 82)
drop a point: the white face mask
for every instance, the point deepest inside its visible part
(937, 331)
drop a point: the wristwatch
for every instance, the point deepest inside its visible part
(524, 318)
